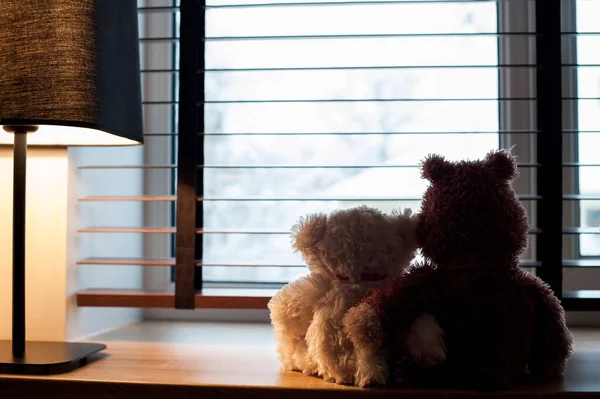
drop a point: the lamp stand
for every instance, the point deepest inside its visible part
(18, 356)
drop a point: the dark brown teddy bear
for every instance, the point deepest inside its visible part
(500, 323)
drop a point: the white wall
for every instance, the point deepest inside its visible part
(85, 321)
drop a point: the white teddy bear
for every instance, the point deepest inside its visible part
(348, 253)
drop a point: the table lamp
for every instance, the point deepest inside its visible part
(69, 76)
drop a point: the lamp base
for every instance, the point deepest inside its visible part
(43, 358)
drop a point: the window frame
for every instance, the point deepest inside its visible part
(513, 16)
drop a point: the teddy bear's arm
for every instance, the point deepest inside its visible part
(401, 302)
(291, 311)
(387, 311)
(395, 306)
(292, 307)
(552, 343)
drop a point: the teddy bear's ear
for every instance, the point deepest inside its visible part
(502, 163)
(436, 168)
(309, 231)
(406, 226)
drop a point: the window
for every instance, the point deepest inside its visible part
(588, 87)
(317, 116)
(308, 106)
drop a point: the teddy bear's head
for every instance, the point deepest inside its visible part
(470, 211)
(357, 244)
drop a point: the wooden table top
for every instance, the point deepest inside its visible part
(159, 370)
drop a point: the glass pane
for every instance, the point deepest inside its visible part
(391, 125)
(588, 85)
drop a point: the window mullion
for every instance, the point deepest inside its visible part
(549, 142)
(189, 154)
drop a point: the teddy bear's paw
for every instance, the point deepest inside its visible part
(344, 381)
(328, 377)
(378, 374)
(432, 356)
(288, 363)
(305, 364)
(343, 378)
(290, 366)
(425, 342)
(310, 369)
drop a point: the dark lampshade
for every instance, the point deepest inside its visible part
(72, 68)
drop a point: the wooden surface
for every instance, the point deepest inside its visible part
(208, 298)
(212, 361)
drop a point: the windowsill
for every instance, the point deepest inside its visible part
(162, 359)
(207, 298)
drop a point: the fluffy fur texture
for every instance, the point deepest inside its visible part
(422, 345)
(348, 253)
(500, 323)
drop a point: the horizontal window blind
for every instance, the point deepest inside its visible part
(278, 109)
(580, 77)
(327, 105)
(149, 235)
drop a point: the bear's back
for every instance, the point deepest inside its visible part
(484, 314)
